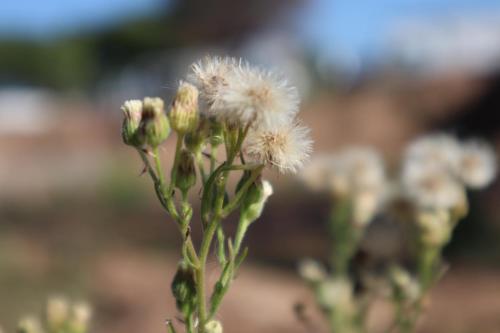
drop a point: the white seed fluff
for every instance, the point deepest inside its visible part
(438, 149)
(430, 186)
(210, 76)
(256, 96)
(477, 166)
(286, 148)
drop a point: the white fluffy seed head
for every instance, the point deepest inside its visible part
(286, 148)
(258, 96)
(366, 168)
(436, 149)
(210, 75)
(430, 186)
(357, 171)
(477, 165)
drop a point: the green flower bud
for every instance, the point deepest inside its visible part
(184, 115)
(154, 126)
(216, 133)
(133, 114)
(213, 326)
(255, 199)
(195, 140)
(186, 172)
(184, 288)
(435, 227)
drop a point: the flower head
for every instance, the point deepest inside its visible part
(256, 95)
(477, 165)
(184, 116)
(437, 149)
(431, 186)
(285, 148)
(210, 75)
(132, 110)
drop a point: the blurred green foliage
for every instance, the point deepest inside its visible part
(77, 62)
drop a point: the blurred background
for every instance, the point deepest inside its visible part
(76, 218)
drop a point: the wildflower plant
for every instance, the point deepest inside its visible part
(355, 180)
(61, 316)
(436, 172)
(250, 115)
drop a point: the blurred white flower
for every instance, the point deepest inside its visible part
(30, 324)
(438, 149)
(312, 271)
(286, 148)
(82, 312)
(477, 166)
(57, 311)
(431, 186)
(336, 293)
(256, 95)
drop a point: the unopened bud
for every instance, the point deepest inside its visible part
(184, 288)
(365, 205)
(216, 133)
(29, 324)
(312, 271)
(57, 312)
(336, 293)
(82, 312)
(213, 326)
(435, 227)
(404, 284)
(184, 115)
(130, 129)
(195, 140)
(186, 172)
(155, 125)
(255, 199)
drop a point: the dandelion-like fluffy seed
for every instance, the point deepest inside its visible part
(210, 75)
(258, 96)
(477, 166)
(431, 186)
(437, 149)
(285, 148)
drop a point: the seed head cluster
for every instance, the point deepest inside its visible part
(238, 94)
(438, 168)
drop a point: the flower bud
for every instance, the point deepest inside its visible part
(82, 313)
(255, 199)
(216, 133)
(186, 172)
(184, 288)
(435, 227)
(195, 140)
(57, 312)
(312, 271)
(154, 126)
(130, 128)
(213, 326)
(405, 286)
(336, 293)
(184, 115)
(29, 325)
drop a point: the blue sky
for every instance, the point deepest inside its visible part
(350, 25)
(359, 26)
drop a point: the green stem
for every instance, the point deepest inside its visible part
(173, 174)
(233, 204)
